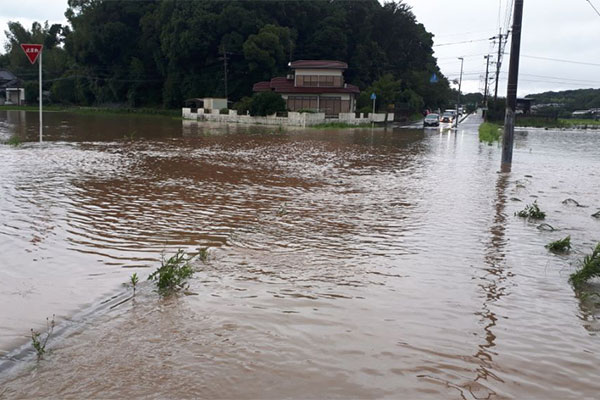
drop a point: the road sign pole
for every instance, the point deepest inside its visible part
(33, 53)
(40, 99)
(373, 97)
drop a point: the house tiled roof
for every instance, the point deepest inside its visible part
(281, 84)
(8, 79)
(318, 64)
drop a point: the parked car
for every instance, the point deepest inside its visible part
(448, 116)
(431, 120)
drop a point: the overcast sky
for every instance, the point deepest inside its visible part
(566, 30)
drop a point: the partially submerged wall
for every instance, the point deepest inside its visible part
(293, 118)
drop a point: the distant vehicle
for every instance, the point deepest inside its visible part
(451, 111)
(448, 116)
(431, 120)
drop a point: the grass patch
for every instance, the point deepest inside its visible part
(581, 121)
(590, 268)
(173, 273)
(538, 122)
(560, 246)
(339, 125)
(531, 211)
(489, 132)
(13, 141)
(99, 110)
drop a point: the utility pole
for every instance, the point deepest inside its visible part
(487, 73)
(462, 60)
(511, 95)
(225, 67)
(485, 91)
(498, 62)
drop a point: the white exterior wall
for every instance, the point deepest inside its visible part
(214, 103)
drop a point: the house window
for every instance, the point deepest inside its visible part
(326, 81)
(296, 103)
(319, 81)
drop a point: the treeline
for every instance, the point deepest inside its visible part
(570, 100)
(159, 53)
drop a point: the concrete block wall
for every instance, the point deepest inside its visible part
(293, 118)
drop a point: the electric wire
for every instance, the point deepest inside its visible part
(462, 42)
(595, 9)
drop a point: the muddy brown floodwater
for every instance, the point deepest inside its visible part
(343, 264)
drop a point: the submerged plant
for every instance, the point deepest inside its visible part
(203, 254)
(560, 246)
(172, 273)
(133, 280)
(489, 133)
(282, 210)
(590, 268)
(130, 135)
(13, 141)
(531, 211)
(38, 342)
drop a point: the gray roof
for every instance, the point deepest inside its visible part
(6, 75)
(8, 79)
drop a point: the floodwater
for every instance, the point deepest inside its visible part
(343, 264)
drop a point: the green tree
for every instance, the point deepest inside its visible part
(267, 51)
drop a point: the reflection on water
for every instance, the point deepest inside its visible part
(355, 263)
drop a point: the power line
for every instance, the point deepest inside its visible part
(561, 78)
(465, 41)
(561, 60)
(595, 9)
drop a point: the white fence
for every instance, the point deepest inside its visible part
(293, 118)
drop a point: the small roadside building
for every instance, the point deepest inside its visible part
(11, 89)
(316, 85)
(208, 103)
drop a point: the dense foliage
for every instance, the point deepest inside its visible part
(570, 100)
(266, 103)
(158, 53)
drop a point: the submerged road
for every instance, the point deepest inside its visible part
(351, 263)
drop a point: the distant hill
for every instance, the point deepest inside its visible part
(570, 100)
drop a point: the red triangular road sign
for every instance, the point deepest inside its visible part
(32, 51)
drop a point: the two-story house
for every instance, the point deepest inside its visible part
(316, 85)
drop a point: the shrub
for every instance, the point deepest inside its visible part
(267, 103)
(489, 133)
(172, 273)
(243, 106)
(224, 111)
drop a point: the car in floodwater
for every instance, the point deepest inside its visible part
(448, 116)
(431, 120)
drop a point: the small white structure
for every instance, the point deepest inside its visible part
(207, 103)
(15, 96)
(10, 92)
